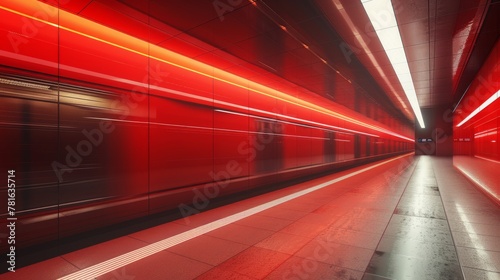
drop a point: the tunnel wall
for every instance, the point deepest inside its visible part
(107, 116)
(476, 146)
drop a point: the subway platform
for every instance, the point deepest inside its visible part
(410, 217)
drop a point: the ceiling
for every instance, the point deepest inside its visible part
(438, 35)
(329, 46)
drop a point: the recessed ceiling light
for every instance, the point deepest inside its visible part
(381, 14)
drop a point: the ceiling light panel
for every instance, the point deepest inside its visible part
(381, 14)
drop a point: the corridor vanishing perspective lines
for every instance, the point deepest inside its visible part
(410, 218)
(418, 243)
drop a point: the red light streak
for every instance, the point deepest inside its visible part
(89, 29)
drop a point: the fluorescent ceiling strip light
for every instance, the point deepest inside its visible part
(370, 55)
(483, 106)
(384, 22)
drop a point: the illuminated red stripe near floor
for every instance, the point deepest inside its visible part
(138, 254)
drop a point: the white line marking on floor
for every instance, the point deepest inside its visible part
(138, 254)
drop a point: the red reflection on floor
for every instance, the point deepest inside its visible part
(331, 233)
(482, 172)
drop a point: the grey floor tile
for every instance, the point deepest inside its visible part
(435, 212)
(478, 241)
(402, 267)
(479, 259)
(491, 219)
(478, 274)
(402, 246)
(422, 234)
(419, 222)
(476, 228)
(300, 268)
(369, 276)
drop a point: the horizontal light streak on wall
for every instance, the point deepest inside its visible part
(182, 62)
(27, 125)
(488, 159)
(298, 119)
(267, 119)
(483, 106)
(492, 131)
(22, 84)
(207, 128)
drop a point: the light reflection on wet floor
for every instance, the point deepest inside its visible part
(429, 239)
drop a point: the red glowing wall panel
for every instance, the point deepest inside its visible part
(28, 44)
(477, 128)
(130, 128)
(478, 136)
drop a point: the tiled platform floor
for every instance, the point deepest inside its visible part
(410, 218)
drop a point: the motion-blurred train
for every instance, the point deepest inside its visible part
(103, 127)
